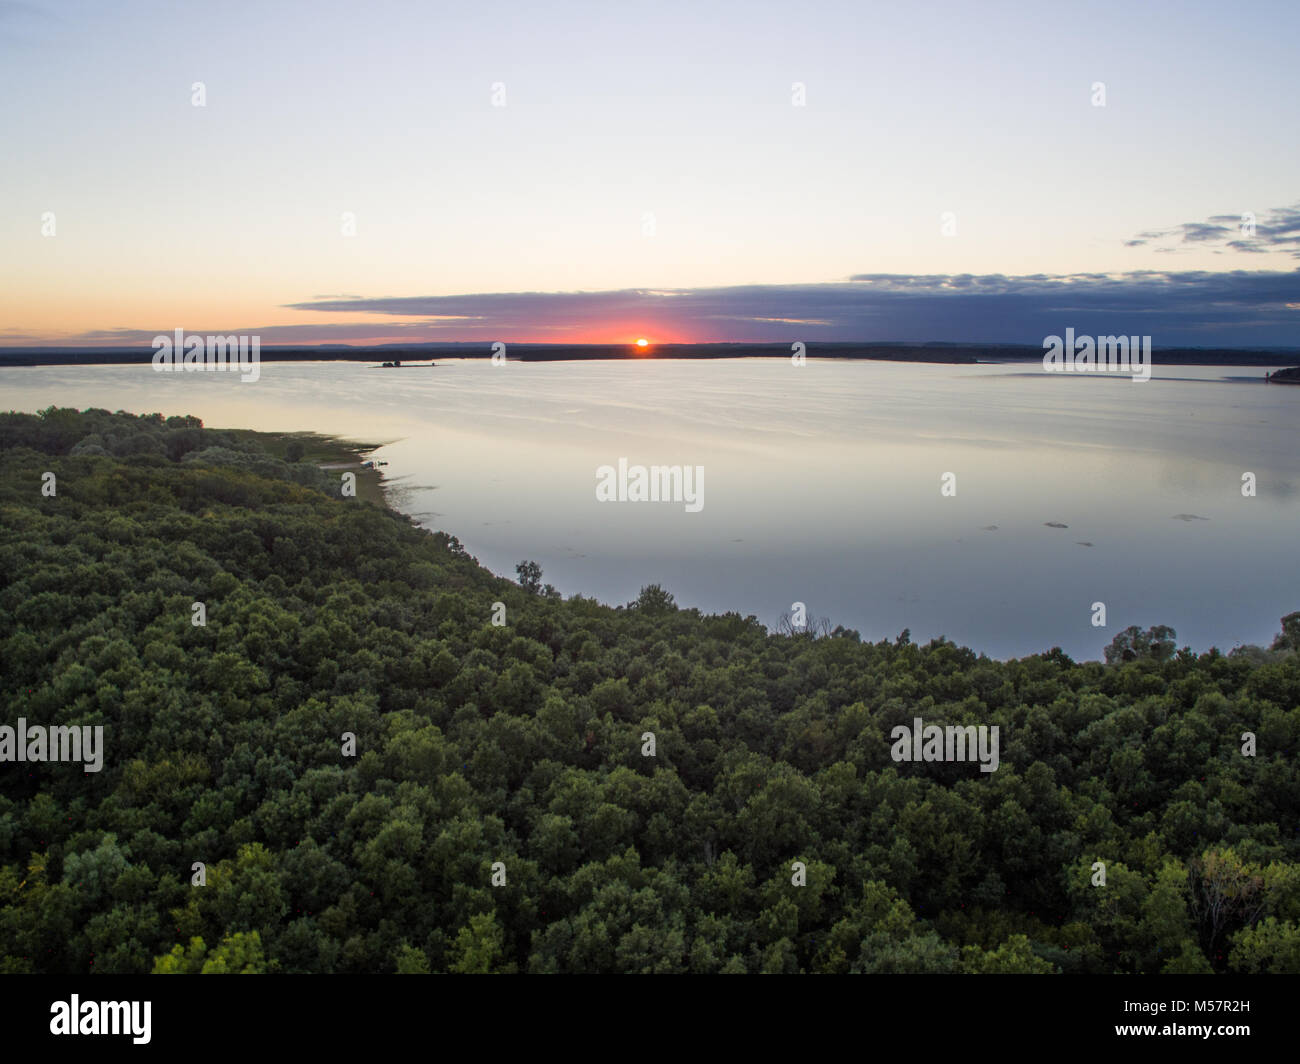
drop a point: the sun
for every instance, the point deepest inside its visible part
(643, 342)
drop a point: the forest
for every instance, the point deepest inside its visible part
(387, 759)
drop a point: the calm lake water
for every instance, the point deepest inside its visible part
(821, 483)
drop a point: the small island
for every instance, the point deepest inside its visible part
(1283, 376)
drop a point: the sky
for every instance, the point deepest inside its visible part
(594, 172)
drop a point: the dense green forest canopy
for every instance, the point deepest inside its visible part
(517, 751)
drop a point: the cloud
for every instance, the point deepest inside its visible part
(1276, 230)
(1235, 308)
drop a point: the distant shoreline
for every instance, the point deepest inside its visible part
(945, 354)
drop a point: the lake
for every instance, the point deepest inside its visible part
(821, 483)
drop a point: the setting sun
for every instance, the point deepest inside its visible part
(643, 342)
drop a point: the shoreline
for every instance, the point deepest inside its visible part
(916, 353)
(341, 453)
(328, 452)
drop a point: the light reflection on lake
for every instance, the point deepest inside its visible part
(822, 483)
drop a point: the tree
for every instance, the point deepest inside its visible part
(530, 577)
(479, 947)
(1227, 893)
(916, 954)
(182, 961)
(816, 627)
(1133, 644)
(238, 954)
(1015, 956)
(1289, 638)
(654, 599)
(1271, 945)
(411, 961)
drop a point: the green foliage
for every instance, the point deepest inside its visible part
(182, 961)
(1133, 644)
(530, 577)
(238, 954)
(1269, 946)
(1014, 957)
(654, 599)
(412, 961)
(522, 745)
(1289, 638)
(479, 947)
